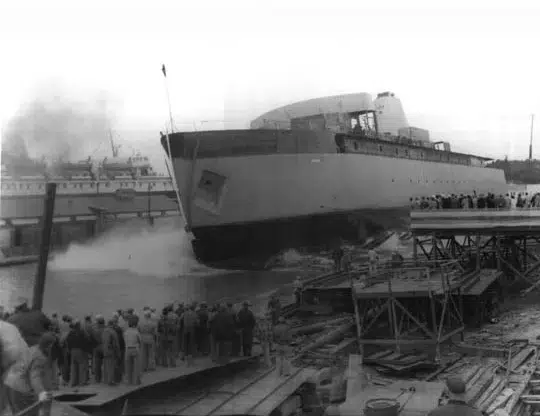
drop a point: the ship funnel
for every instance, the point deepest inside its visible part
(390, 114)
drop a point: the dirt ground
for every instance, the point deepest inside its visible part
(519, 319)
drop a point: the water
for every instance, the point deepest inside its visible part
(134, 265)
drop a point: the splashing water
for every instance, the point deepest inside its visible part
(159, 251)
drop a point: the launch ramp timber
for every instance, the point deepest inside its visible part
(488, 238)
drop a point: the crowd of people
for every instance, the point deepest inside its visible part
(476, 201)
(51, 350)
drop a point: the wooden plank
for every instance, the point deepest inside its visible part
(104, 394)
(471, 383)
(501, 400)
(469, 374)
(492, 395)
(488, 391)
(521, 357)
(481, 385)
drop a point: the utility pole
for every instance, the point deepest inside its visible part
(46, 230)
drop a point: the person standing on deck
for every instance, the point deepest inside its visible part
(337, 256)
(148, 331)
(29, 379)
(97, 354)
(132, 354)
(202, 329)
(373, 259)
(87, 327)
(211, 317)
(457, 405)
(274, 306)
(508, 201)
(32, 324)
(236, 340)
(119, 369)
(180, 330)
(65, 327)
(246, 323)
(111, 353)
(265, 334)
(190, 323)
(298, 288)
(282, 338)
(223, 327)
(79, 348)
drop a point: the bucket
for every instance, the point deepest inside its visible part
(381, 407)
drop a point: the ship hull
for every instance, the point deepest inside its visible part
(253, 243)
(238, 205)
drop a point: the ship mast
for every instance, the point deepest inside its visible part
(530, 144)
(114, 148)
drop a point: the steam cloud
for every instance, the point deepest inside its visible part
(57, 128)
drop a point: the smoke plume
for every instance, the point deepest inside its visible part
(56, 127)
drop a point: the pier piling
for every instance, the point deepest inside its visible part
(46, 230)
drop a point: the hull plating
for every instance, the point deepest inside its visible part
(268, 201)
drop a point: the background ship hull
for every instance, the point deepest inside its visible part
(20, 232)
(266, 202)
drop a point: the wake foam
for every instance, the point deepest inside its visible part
(163, 251)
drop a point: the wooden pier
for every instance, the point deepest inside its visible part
(501, 239)
(100, 397)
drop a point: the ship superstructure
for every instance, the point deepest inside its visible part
(308, 171)
(114, 186)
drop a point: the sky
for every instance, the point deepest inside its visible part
(465, 70)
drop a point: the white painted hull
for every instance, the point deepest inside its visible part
(270, 187)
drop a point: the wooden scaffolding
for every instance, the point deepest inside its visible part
(410, 308)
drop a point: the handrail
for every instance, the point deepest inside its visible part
(477, 209)
(29, 409)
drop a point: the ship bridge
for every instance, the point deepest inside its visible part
(281, 117)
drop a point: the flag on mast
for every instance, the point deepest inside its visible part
(164, 70)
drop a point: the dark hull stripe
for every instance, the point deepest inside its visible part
(245, 243)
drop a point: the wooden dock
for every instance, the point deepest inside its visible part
(96, 396)
(258, 396)
(485, 221)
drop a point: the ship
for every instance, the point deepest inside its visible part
(90, 193)
(315, 173)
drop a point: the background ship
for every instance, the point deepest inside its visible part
(312, 173)
(89, 193)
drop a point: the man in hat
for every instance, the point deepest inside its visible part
(457, 405)
(31, 323)
(246, 323)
